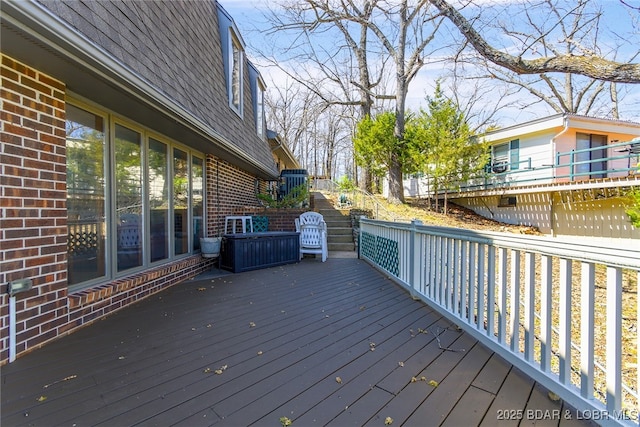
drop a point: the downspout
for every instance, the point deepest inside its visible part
(553, 162)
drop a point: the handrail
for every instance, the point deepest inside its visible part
(565, 167)
(561, 311)
(359, 198)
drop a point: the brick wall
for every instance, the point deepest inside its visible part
(229, 189)
(33, 227)
(33, 220)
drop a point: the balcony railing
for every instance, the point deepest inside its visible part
(619, 160)
(564, 312)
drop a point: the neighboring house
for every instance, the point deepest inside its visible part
(129, 130)
(565, 174)
(283, 157)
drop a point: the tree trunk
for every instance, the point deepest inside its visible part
(396, 193)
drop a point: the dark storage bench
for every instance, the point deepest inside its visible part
(251, 251)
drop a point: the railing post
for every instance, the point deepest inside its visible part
(571, 165)
(414, 267)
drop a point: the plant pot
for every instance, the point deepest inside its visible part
(210, 246)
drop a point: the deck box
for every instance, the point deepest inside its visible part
(251, 251)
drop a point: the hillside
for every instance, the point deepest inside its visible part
(457, 216)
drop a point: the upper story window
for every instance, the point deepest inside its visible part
(233, 58)
(260, 111)
(257, 95)
(235, 74)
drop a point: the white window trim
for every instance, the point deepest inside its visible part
(235, 44)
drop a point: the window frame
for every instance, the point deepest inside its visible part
(110, 121)
(235, 46)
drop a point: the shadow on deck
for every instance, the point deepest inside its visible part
(332, 343)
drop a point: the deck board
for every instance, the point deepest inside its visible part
(284, 334)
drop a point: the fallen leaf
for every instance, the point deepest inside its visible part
(202, 289)
(260, 353)
(423, 378)
(388, 421)
(553, 396)
(207, 370)
(339, 380)
(414, 379)
(252, 324)
(121, 357)
(209, 325)
(401, 364)
(285, 421)
(41, 398)
(433, 383)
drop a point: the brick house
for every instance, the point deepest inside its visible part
(129, 130)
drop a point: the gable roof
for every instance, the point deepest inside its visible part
(156, 62)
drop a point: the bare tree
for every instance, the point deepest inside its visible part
(333, 56)
(584, 60)
(576, 24)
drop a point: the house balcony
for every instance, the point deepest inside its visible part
(601, 170)
(336, 343)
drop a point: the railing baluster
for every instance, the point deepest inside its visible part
(480, 281)
(491, 290)
(529, 305)
(587, 294)
(614, 337)
(449, 275)
(515, 301)
(456, 279)
(473, 261)
(464, 299)
(502, 288)
(546, 298)
(564, 328)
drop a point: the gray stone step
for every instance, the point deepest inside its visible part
(341, 247)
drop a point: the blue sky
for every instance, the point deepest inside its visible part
(249, 18)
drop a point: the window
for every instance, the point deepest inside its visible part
(132, 199)
(128, 192)
(257, 95)
(235, 75)
(158, 191)
(197, 199)
(86, 196)
(260, 111)
(180, 201)
(506, 156)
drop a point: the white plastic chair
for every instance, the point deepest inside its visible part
(313, 234)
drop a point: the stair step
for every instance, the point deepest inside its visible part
(340, 239)
(341, 247)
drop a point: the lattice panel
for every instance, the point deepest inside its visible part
(387, 255)
(84, 243)
(260, 224)
(368, 243)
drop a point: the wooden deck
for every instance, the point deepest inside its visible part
(332, 343)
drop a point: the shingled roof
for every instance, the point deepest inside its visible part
(162, 57)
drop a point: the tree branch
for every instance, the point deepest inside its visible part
(588, 65)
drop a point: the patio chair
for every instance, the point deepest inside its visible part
(313, 234)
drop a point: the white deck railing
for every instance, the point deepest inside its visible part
(565, 312)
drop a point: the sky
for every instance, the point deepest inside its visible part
(249, 18)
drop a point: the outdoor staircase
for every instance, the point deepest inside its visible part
(339, 230)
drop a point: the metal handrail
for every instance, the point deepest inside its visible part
(359, 199)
